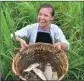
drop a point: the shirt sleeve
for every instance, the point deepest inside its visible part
(61, 37)
(24, 32)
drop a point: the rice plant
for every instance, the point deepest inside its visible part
(68, 16)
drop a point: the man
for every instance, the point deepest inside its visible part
(43, 31)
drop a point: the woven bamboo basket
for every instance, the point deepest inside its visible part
(40, 53)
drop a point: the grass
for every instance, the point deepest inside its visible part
(68, 16)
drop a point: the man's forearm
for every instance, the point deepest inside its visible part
(62, 46)
(22, 42)
(18, 39)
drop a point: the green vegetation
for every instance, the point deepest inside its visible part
(68, 15)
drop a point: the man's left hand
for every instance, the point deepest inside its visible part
(61, 46)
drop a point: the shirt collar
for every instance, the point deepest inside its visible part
(46, 30)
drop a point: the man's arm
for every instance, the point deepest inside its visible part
(62, 46)
(62, 41)
(19, 34)
(22, 42)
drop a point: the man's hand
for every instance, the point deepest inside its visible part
(61, 46)
(22, 43)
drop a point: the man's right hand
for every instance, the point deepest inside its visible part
(22, 43)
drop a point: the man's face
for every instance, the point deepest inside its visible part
(45, 17)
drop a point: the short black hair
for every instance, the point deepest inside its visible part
(47, 6)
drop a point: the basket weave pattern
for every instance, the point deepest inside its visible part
(40, 53)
